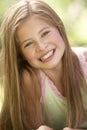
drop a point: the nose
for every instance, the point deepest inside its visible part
(41, 45)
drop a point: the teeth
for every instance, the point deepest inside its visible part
(46, 56)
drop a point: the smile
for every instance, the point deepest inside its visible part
(48, 56)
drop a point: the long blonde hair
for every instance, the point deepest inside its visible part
(17, 108)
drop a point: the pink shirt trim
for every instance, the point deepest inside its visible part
(84, 64)
(54, 89)
(42, 75)
(51, 84)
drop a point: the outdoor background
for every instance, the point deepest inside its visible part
(73, 14)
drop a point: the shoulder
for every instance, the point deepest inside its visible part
(81, 51)
(30, 77)
(85, 54)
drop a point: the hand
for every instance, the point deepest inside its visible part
(67, 128)
(43, 127)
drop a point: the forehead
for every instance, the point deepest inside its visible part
(31, 26)
(36, 18)
(33, 22)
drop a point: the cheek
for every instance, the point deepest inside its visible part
(28, 54)
(59, 41)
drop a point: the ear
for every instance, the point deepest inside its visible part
(85, 53)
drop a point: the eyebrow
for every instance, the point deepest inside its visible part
(38, 32)
(43, 29)
(27, 40)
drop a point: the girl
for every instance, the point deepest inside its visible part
(44, 80)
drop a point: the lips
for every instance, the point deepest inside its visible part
(47, 56)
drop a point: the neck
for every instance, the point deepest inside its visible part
(55, 75)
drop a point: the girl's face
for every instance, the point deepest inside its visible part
(41, 43)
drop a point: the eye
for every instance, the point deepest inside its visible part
(28, 44)
(45, 33)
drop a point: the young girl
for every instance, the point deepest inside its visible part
(44, 80)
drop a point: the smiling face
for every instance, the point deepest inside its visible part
(40, 43)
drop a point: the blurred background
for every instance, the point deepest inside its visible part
(73, 14)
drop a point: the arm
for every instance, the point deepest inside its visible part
(67, 128)
(43, 127)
